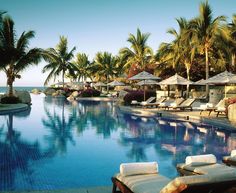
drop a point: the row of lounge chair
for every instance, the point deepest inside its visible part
(219, 108)
(199, 174)
(181, 104)
(165, 103)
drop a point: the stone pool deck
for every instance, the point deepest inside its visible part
(99, 189)
(194, 116)
(12, 108)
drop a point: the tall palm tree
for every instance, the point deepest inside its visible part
(15, 53)
(232, 29)
(105, 66)
(59, 60)
(82, 67)
(180, 51)
(204, 29)
(139, 53)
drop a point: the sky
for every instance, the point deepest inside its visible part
(98, 25)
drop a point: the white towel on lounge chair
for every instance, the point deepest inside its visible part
(233, 153)
(201, 159)
(127, 169)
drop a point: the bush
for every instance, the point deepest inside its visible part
(137, 95)
(90, 93)
(10, 100)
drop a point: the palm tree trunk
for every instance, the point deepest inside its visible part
(188, 77)
(207, 68)
(233, 57)
(107, 84)
(63, 82)
(10, 84)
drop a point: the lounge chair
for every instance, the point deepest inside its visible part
(187, 104)
(230, 160)
(149, 100)
(202, 165)
(218, 108)
(153, 104)
(171, 103)
(148, 180)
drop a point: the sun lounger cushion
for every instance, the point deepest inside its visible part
(127, 169)
(148, 183)
(134, 102)
(204, 169)
(181, 183)
(201, 159)
(233, 153)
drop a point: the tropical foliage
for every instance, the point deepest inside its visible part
(139, 54)
(201, 47)
(15, 55)
(82, 67)
(59, 60)
(106, 66)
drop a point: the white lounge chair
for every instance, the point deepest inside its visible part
(134, 102)
(145, 178)
(218, 108)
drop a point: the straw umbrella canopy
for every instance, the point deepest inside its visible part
(144, 76)
(99, 84)
(222, 78)
(176, 80)
(116, 83)
(201, 82)
(147, 82)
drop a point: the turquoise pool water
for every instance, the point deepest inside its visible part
(59, 145)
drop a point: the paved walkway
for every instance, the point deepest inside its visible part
(194, 115)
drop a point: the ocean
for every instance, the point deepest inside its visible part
(4, 89)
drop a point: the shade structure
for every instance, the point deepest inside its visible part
(99, 84)
(223, 78)
(200, 82)
(144, 76)
(175, 80)
(147, 82)
(116, 83)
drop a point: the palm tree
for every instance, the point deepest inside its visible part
(105, 66)
(180, 50)
(139, 53)
(232, 28)
(14, 53)
(82, 67)
(58, 60)
(204, 30)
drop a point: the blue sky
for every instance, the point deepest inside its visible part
(98, 25)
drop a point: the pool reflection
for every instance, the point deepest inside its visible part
(57, 144)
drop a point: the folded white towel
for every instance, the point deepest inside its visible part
(127, 169)
(233, 153)
(144, 103)
(201, 159)
(173, 104)
(134, 102)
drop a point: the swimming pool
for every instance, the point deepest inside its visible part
(59, 145)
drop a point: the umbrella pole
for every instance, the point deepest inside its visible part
(144, 97)
(225, 91)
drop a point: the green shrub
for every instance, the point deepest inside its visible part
(10, 100)
(90, 93)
